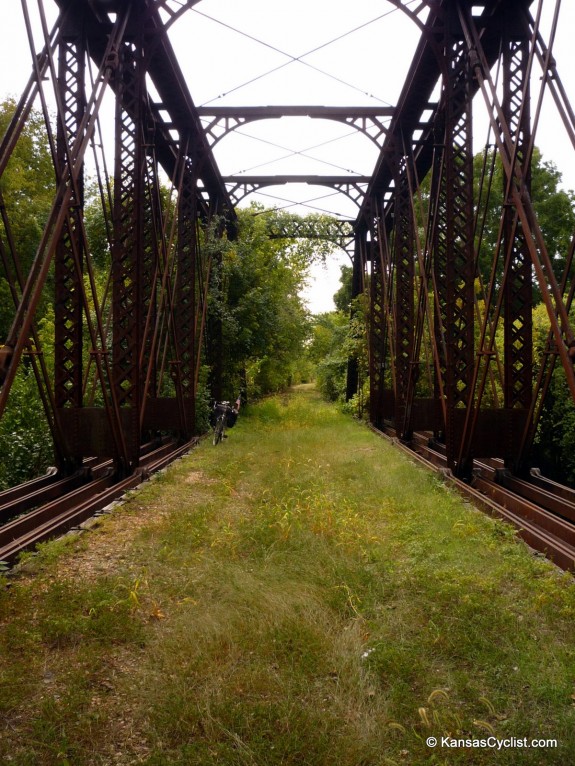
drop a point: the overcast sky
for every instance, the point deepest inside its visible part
(323, 52)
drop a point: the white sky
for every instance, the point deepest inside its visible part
(364, 67)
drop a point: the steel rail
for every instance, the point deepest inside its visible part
(45, 493)
(60, 514)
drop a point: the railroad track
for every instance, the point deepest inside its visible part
(50, 506)
(542, 511)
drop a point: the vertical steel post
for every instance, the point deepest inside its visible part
(127, 249)
(377, 320)
(454, 258)
(69, 254)
(403, 304)
(518, 290)
(186, 298)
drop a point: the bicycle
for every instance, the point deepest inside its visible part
(225, 417)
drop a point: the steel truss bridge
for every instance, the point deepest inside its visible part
(450, 354)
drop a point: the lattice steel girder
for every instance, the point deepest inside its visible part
(68, 178)
(403, 254)
(186, 301)
(69, 252)
(460, 254)
(338, 231)
(509, 151)
(377, 328)
(417, 110)
(128, 44)
(352, 186)
(518, 296)
(294, 227)
(222, 120)
(128, 247)
(493, 31)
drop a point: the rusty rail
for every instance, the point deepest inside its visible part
(59, 505)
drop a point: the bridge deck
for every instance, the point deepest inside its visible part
(294, 595)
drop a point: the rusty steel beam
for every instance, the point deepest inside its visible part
(339, 232)
(403, 254)
(352, 186)
(220, 121)
(456, 323)
(145, 380)
(419, 250)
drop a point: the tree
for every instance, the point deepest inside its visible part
(327, 350)
(337, 338)
(25, 439)
(554, 206)
(344, 296)
(255, 298)
(27, 186)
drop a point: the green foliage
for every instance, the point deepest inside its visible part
(255, 303)
(203, 401)
(344, 296)
(554, 206)
(555, 446)
(25, 439)
(27, 186)
(96, 222)
(554, 450)
(327, 350)
(337, 338)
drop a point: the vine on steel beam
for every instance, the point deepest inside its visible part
(404, 271)
(353, 381)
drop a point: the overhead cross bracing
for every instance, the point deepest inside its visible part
(451, 343)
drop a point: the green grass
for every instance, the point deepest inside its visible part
(302, 594)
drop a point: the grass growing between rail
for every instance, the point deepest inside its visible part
(302, 594)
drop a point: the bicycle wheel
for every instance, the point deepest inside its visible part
(218, 430)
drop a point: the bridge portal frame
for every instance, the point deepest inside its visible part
(478, 401)
(128, 374)
(223, 120)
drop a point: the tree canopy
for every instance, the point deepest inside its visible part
(27, 187)
(256, 295)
